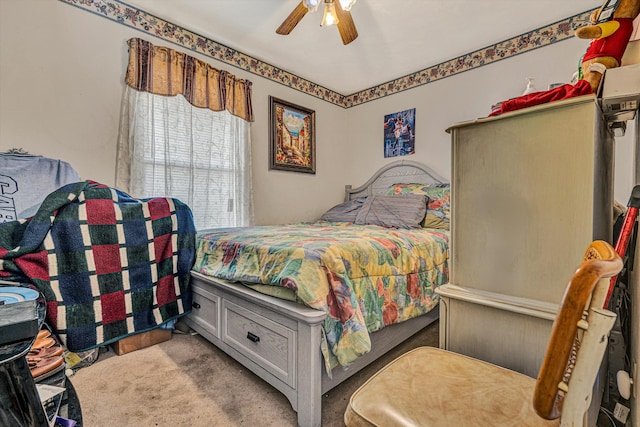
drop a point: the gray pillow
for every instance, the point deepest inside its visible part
(401, 211)
(347, 211)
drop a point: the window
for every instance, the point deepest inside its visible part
(197, 155)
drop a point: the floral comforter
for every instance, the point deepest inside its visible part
(363, 276)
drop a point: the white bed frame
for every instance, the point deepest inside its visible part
(279, 340)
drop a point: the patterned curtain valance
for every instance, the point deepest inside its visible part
(163, 71)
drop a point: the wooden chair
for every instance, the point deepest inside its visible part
(433, 387)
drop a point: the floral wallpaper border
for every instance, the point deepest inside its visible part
(138, 19)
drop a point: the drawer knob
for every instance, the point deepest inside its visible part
(253, 337)
(195, 305)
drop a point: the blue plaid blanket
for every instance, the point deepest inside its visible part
(107, 264)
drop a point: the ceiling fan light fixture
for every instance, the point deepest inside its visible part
(311, 5)
(329, 17)
(334, 14)
(347, 4)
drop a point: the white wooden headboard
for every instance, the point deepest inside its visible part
(400, 171)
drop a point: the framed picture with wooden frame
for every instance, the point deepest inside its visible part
(292, 142)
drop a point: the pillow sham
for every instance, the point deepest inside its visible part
(438, 205)
(344, 212)
(402, 211)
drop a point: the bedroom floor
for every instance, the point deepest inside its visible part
(188, 381)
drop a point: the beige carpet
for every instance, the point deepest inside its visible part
(187, 381)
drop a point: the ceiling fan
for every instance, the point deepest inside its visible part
(335, 12)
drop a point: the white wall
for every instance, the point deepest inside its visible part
(61, 81)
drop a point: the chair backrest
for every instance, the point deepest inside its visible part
(578, 339)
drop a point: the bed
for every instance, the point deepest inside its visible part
(360, 306)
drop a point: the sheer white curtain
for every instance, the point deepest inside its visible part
(169, 148)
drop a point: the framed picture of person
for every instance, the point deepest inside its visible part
(399, 133)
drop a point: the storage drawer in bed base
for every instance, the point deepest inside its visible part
(270, 344)
(291, 331)
(206, 310)
(277, 340)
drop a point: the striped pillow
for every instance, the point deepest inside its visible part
(439, 205)
(344, 212)
(402, 211)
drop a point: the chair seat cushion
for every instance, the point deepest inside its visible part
(432, 387)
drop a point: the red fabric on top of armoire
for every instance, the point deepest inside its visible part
(582, 87)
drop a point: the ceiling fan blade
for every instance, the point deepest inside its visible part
(346, 27)
(292, 20)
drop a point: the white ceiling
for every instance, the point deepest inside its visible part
(396, 37)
